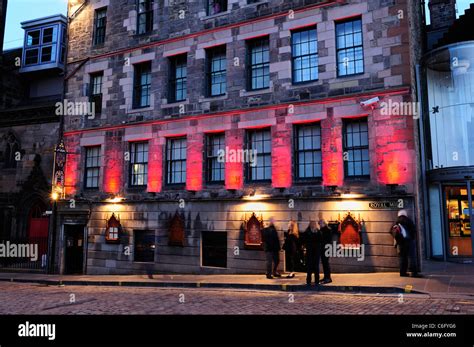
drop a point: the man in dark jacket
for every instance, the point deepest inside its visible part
(312, 239)
(326, 234)
(405, 236)
(271, 244)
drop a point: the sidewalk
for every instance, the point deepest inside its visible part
(440, 279)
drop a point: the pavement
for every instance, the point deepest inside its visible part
(440, 279)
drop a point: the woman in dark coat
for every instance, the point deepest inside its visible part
(312, 239)
(326, 235)
(291, 247)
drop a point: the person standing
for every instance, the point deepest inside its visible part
(404, 233)
(326, 235)
(312, 240)
(291, 247)
(272, 247)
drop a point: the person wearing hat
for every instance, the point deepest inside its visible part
(404, 233)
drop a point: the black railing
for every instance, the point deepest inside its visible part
(29, 253)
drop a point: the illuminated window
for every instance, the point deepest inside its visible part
(96, 91)
(100, 23)
(138, 163)
(308, 151)
(304, 47)
(178, 78)
(258, 70)
(349, 46)
(145, 16)
(176, 161)
(92, 167)
(259, 142)
(216, 71)
(356, 148)
(215, 168)
(142, 85)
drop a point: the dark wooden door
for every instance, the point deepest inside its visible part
(74, 243)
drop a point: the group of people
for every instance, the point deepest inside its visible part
(317, 235)
(314, 239)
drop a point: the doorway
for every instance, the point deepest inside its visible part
(74, 249)
(459, 216)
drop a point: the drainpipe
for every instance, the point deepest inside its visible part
(424, 184)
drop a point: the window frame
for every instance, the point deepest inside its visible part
(178, 61)
(346, 149)
(296, 151)
(248, 146)
(99, 39)
(87, 168)
(220, 3)
(139, 71)
(93, 96)
(169, 161)
(294, 57)
(211, 159)
(133, 157)
(353, 47)
(211, 53)
(251, 44)
(148, 13)
(54, 45)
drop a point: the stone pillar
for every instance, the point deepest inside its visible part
(332, 152)
(155, 164)
(194, 161)
(234, 171)
(72, 180)
(113, 162)
(281, 153)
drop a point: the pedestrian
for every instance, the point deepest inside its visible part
(291, 247)
(312, 240)
(272, 248)
(326, 234)
(404, 234)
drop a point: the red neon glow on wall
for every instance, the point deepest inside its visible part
(155, 166)
(332, 155)
(113, 165)
(234, 140)
(194, 162)
(72, 170)
(281, 159)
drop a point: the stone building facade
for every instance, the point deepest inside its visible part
(28, 134)
(361, 53)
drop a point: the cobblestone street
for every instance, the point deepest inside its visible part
(40, 299)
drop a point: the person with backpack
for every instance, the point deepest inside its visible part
(404, 234)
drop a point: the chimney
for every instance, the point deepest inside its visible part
(3, 19)
(442, 13)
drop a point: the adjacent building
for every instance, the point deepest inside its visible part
(31, 82)
(187, 125)
(447, 72)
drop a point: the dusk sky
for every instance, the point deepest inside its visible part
(22, 10)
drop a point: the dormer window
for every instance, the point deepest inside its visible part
(45, 43)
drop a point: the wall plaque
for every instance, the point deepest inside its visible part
(386, 205)
(350, 232)
(253, 238)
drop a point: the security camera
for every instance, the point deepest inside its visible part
(372, 103)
